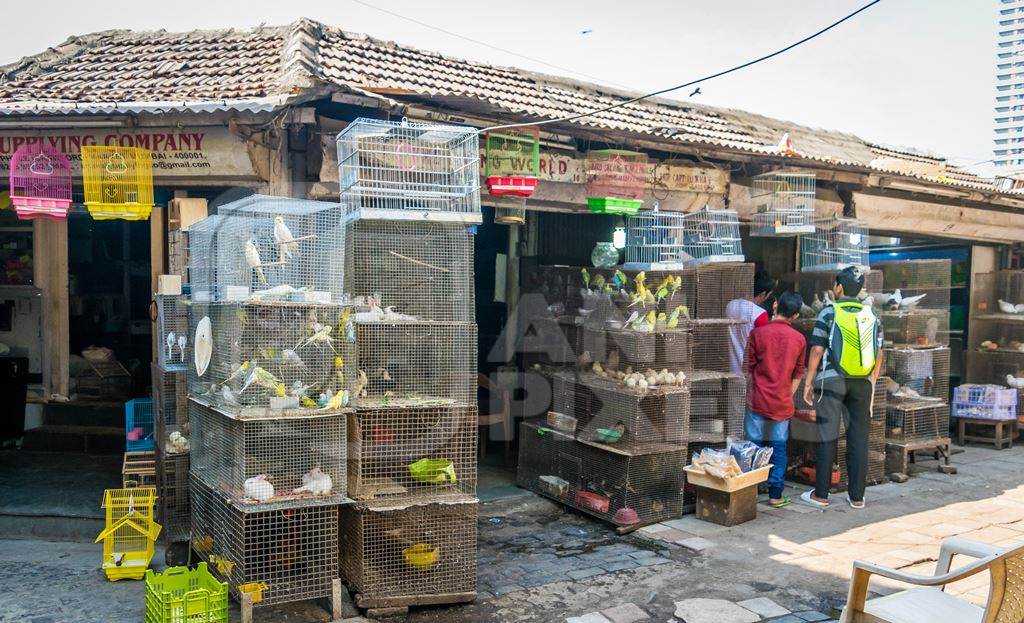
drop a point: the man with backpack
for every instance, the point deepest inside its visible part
(842, 368)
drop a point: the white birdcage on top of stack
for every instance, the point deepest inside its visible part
(712, 236)
(785, 203)
(835, 244)
(655, 241)
(265, 247)
(410, 171)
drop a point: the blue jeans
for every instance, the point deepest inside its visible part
(767, 432)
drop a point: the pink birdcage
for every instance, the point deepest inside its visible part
(616, 180)
(40, 182)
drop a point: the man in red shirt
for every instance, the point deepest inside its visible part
(775, 361)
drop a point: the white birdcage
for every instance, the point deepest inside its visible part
(835, 244)
(712, 236)
(173, 342)
(409, 171)
(785, 203)
(655, 241)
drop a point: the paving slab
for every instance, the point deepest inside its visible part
(812, 616)
(702, 610)
(763, 606)
(625, 613)
(590, 617)
(691, 524)
(697, 544)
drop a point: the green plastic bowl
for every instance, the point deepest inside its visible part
(608, 435)
(437, 471)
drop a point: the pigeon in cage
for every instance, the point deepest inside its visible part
(315, 482)
(1010, 308)
(259, 488)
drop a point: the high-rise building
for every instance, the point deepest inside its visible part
(1009, 109)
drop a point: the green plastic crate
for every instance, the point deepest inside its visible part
(614, 205)
(183, 595)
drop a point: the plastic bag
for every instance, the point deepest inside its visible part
(762, 458)
(743, 451)
(717, 463)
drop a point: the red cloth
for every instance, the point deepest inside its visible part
(761, 320)
(776, 356)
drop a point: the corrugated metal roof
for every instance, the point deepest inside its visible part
(259, 69)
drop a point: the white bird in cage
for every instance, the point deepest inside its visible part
(1015, 382)
(252, 258)
(291, 358)
(170, 345)
(1010, 308)
(315, 481)
(182, 341)
(321, 335)
(896, 300)
(227, 395)
(259, 488)
(286, 243)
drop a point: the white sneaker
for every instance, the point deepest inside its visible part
(853, 504)
(806, 498)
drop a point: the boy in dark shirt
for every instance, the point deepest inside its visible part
(775, 361)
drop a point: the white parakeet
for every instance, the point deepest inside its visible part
(285, 240)
(252, 258)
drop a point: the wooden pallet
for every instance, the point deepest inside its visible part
(139, 469)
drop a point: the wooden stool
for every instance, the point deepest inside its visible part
(1003, 432)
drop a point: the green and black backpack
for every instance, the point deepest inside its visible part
(853, 339)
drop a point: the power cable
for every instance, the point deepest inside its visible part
(687, 84)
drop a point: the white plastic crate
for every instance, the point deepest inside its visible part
(985, 402)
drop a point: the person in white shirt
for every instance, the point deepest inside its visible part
(752, 313)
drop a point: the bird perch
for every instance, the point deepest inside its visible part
(421, 263)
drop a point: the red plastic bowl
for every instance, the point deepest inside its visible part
(625, 517)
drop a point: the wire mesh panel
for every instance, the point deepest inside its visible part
(626, 416)
(201, 258)
(624, 486)
(411, 364)
(412, 454)
(717, 406)
(412, 271)
(285, 554)
(272, 358)
(177, 253)
(40, 177)
(510, 210)
(272, 248)
(409, 555)
(918, 327)
(170, 410)
(712, 236)
(711, 339)
(927, 280)
(711, 288)
(925, 371)
(784, 201)
(654, 241)
(173, 496)
(556, 341)
(418, 170)
(267, 461)
(118, 182)
(916, 420)
(173, 343)
(835, 244)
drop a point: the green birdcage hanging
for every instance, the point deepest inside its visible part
(512, 161)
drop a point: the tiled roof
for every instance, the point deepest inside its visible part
(122, 68)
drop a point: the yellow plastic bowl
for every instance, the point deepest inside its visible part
(420, 555)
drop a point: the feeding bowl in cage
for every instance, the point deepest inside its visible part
(784, 201)
(615, 180)
(512, 161)
(608, 435)
(593, 501)
(626, 517)
(436, 471)
(40, 182)
(421, 555)
(510, 211)
(118, 182)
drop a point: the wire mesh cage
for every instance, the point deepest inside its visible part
(994, 365)
(278, 554)
(512, 161)
(410, 170)
(616, 180)
(173, 344)
(412, 454)
(130, 532)
(712, 236)
(410, 555)
(619, 349)
(917, 327)
(510, 210)
(818, 285)
(711, 340)
(271, 248)
(201, 257)
(836, 243)
(40, 177)
(784, 201)
(272, 359)
(177, 253)
(924, 371)
(623, 486)
(655, 240)
(412, 364)
(264, 461)
(921, 283)
(916, 420)
(170, 410)
(118, 182)
(554, 341)
(173, 496)
(413, 272)
(717, 406)
(997, 301)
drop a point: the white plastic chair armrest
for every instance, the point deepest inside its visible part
(964, 547)
(920, 580)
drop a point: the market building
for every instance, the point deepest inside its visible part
(230, 113)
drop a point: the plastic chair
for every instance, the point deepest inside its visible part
(930, 603)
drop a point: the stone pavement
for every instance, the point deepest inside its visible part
(540, 562)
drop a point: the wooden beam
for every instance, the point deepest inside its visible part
(50, 250)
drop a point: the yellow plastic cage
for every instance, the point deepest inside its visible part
(130, 533)
(118, 182)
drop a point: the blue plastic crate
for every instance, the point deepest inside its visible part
(138, 414)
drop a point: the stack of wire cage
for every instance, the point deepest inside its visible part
(815, 287)
(919, 315)
(996, 353)
(784, 201)
(271, 369)
(411, 194)
(835, 244)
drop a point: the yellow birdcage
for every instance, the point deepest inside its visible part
(118, 182)
(130, 533)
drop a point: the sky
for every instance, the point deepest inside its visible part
(913, 73)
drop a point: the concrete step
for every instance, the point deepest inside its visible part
(51, 528)
(74, 438)
(84, 414)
